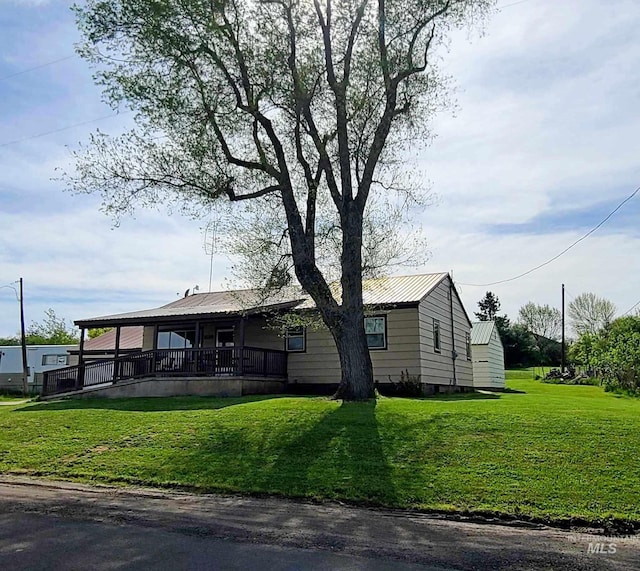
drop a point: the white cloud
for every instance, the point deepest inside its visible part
(547, 119)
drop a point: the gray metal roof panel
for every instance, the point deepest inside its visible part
(481, 332)
(214, 303)
(378, 291)
(391, 289)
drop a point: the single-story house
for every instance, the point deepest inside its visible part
(225, 343)
(488, 356)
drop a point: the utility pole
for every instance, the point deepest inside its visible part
(562, 359)
(23, 341)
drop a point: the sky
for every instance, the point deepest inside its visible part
(542, 146)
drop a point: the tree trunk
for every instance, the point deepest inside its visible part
(356, 382)
(351, 341)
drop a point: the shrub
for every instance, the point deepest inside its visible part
(408, 386)
(613, 355)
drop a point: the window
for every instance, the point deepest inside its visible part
(179, 338)
(55, 360)
(467, 340)
(294, 339)
(436, 336)
(376, 330)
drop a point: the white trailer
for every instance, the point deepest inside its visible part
(40, 358)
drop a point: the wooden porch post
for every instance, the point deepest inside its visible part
(241, 334)
(116, 354)
(80, 376)
(155, 349)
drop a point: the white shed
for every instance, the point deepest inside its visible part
(487, 356)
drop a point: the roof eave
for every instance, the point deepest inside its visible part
(115, 321)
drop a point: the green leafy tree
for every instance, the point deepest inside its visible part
(489, 307)
(93, 333)
(590, 314)
(585, 352)
(304, 107)
(612, 354)
(619, 356)
(520, 347)
(52, 330)
(4, 341)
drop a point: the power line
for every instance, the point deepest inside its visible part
(563, 251)
(37, 67)
(636, 304)
(512, 4)
(61, 129)
(10, 286)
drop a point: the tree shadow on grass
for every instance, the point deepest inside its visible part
(475, 395)
(328, 451)
(463, 396)
(139, 404)
(341, 455)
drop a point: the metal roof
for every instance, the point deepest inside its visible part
(130, 338)
(481, 332)
(391, 289)
(378, 291)
(214, 303)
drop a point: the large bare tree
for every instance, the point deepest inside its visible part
(307, 105)
(542, 320)
(590, 314)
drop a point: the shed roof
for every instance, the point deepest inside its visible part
(378, 291)
(481, 332)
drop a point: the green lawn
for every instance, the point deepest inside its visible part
(543, 451)
(527, 373)
(12, 398)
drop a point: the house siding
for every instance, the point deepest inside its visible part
(437, 368)
(488, 363)
(320, 364)
(258, 333)
(147, 337)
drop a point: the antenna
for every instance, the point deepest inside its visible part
(210, 245)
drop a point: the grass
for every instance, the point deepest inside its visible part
(527, 373)
(549, 452)
(10, 398)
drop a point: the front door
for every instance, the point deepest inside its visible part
(224, 354)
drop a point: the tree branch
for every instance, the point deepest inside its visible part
(233, 197)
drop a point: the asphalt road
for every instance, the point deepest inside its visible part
(60, 526)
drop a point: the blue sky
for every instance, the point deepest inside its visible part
(543, 144)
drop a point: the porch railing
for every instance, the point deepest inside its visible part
(209, 362)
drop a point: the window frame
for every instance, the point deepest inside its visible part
(436, 326)
(302, 335)
(178, 331)
(385, 344)
(467, 340)
(56, 358)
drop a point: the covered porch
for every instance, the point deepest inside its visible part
(211, 364)
(211, 346)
